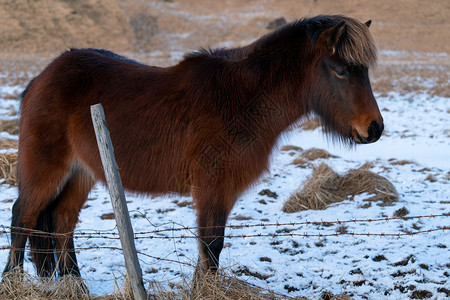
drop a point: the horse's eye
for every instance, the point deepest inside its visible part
(341, 74)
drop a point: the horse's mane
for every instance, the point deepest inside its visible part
(223, 53)
(108, 53)
(355, 44)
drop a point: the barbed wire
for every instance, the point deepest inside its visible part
(272, 235)
(153, 234)
(58, 250)
(323, 223)
(47, 251)
(98, 234)
(165, 259)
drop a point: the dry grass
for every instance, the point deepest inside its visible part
(401, 162)
(10, 126)
(8, 144)
(290, 148)
(315, 153)
(300, 162)
(214, 288)
(325, 187)
(8, 164)
(32, 288)
(310, 124)
(224, 287)
(211, 287)
(412, 76)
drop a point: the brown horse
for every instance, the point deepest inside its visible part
(206, 125)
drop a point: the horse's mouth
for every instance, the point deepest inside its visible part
(371, 134)
(358, 138)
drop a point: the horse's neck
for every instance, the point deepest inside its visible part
(279, 112)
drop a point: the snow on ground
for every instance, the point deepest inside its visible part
(414, 154)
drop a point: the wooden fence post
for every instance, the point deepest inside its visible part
(118, 201)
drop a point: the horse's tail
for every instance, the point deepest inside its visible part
(42, 244)
(25, 91)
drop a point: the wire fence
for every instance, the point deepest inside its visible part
(156, 234)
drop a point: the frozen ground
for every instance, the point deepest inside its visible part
(414, 154)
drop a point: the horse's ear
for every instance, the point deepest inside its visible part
(330, 37)
(368, 23)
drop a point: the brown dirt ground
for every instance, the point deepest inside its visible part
(44, 26)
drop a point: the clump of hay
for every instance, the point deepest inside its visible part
(290, 148)
(315, 153)
(325, 187)
(227, 288)
(300, 162)
(310, 124)
(366, 166)
(306, 156)
(218, 286)
(10, 126)
(401, 162)
(8, 144)
(8, 166)
(24, 286)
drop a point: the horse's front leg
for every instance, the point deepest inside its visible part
(213, 206)
(211, 233)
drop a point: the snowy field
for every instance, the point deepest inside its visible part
(299, 260)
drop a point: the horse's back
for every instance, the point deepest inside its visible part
(141, 112)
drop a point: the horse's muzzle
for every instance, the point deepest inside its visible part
(373, 133)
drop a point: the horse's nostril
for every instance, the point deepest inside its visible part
(375, 130)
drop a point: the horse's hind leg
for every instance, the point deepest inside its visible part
(18, 241)
(26, 213)
(42, 168)
(65, 215)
